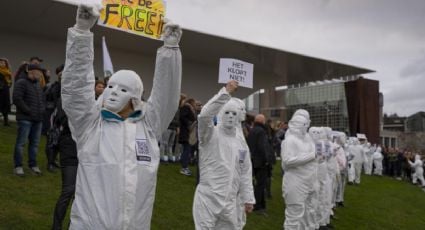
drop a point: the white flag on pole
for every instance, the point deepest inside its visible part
(108, 69)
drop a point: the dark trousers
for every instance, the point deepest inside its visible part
(260, 187)
(69, 175)
(51, 154)
(27, 130)
(5, 117)
(185, 157)
(269, 182)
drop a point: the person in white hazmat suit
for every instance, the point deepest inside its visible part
(333, 171)
(239, 134)
(116, 135)
(323, 208)
(377, 161)
(419, 170)
(358, 151)
(224, 166)
(299, 184)
(368, 164)
(350, 164)
(341, 158)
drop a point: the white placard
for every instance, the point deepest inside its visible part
(233, 69)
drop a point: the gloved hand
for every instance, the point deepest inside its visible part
(87, 16)
(232, 86)
(171, 34)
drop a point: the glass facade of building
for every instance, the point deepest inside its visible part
(326, 104)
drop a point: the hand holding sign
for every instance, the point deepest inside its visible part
(171, 34)
(240, 71)
(87, 16)
(232, 86)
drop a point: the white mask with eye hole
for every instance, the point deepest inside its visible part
(229, 115)
(123, 87)
(241, 108)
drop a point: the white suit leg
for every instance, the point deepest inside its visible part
(203, 217)
(341, 186)
(351, 172)
(358, 171)
(421, 178)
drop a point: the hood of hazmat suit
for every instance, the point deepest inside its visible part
(224, 166)
(118, 158)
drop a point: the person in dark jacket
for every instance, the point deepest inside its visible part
(52, 94)
(29, 100)
(68, 162)
(261, 156)
(5, 83)
(187, 118)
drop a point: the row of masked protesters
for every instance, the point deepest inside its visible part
(317, 163)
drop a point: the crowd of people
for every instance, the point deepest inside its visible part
(110, 143)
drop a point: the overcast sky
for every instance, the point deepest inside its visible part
(387, 36)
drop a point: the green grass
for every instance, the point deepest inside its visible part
(378, 203)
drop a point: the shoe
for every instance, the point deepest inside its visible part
(261, 212)
(36, 170)
(19, 171)
(51, 168)
(185, 171)
(172, 159)
(340, 204)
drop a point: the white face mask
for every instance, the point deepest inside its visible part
(230, 118)
(122, 88)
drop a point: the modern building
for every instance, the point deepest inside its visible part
(39, 28)
(415, 122)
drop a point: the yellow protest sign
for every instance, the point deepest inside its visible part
(142, 17)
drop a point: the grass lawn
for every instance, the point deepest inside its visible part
(28, 202)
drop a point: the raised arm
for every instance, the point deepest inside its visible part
(211, 109)
(78, 81)
(163, 102)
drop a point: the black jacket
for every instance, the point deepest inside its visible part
(29, 100)
(67, 146)
(187, 117)
(259, 146)
(52, 94)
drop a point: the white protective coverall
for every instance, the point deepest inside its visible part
(300, 179)
(224, 166)
(377, 161)
(368, 164)
(350, 165)
(322, 148)
(239, 134)
(333, 171)
(118, 158)
(358, 152)
(419, 170)
(341, 158)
